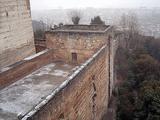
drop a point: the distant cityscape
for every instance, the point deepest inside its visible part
(151, 29)
(149, 19)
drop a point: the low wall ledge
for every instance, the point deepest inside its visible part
(10, 67)
(63, 85)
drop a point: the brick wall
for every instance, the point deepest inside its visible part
(114, 43)
(24, 67)
(83, 44)
(84, 97)
(16, 34)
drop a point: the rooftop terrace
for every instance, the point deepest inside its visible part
(20, 97)
(25, 96)
(81, 28)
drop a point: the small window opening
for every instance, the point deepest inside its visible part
(7, 13)
(74, 57)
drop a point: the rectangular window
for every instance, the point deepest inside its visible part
(74, 57)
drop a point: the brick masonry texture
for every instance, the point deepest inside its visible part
(83, 44)
(85, 94)
(16, 34)
(20, 69)
(85, 97)
(84, 40)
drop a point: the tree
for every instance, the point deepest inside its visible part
(75, 16)
(123, 21)
(152, 45)
(125, 102)
(130, 27)
(60, 24)
(139, 95)
(50, 23)
(97, 21)
(149, 99)
(133, 29)
(39, 28)
(145, 68)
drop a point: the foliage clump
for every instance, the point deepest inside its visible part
(139, 94)
(75, 16)
(97, 21)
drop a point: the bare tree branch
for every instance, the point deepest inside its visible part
(75, 16)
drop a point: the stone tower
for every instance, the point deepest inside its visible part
(16, 34)
(76, 43)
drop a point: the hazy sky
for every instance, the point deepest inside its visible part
(52, 4)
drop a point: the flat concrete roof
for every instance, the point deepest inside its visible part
(96, 29)
(22, 96)
(77, 70)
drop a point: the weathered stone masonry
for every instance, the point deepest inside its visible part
(83, 96)
(73, 79)
(16, 71)
(83, 42)
(16, 34)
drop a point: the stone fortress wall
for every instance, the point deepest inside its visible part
(83, 96)
(86, 92)
(77, 42)
(84, 41)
